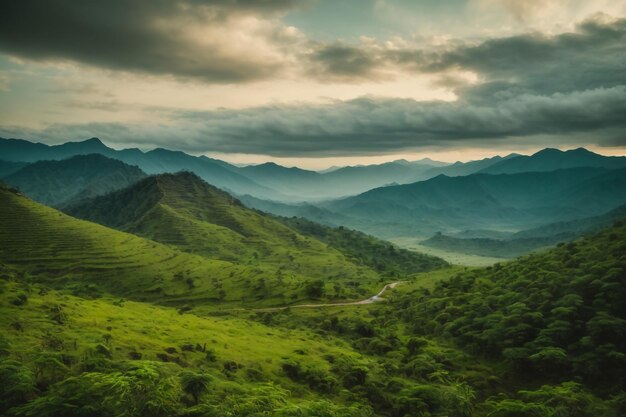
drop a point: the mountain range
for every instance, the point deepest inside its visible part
(417, 199)
(270, 181)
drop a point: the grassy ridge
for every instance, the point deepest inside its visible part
(184, 211)
(89, 257)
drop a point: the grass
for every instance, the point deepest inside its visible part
(87, 257)
(128, 326)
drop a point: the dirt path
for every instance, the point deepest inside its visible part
(370, 300)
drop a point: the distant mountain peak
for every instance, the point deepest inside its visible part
(546, 151)
(582, 151)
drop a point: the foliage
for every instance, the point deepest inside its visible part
(378, 254)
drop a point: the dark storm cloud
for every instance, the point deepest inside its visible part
(594, 56)
(374, 126)
(149, 36)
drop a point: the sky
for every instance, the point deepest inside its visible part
(316, 83)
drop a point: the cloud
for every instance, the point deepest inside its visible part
(368, 126)
(211, 40)
(569, 87)
(592, 56)
(522, 9)
(342, 62)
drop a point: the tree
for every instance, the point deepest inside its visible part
(315, 289)
(195, 384)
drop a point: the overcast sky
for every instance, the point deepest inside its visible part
(317, 82)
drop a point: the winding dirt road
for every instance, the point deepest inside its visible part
(370, 300)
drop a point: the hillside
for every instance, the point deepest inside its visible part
(57, 183)
(368, 250)
(528, 336)
(8, 168)
(90, 258)
(184, 211)
(63, 355)
(554, 317)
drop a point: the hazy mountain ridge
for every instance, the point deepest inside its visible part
(509, 245)
(550, 159)
(155, 161)
(8, 167)
(515, 201)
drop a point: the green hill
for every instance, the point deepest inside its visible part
(551, 317)
(90, 258)
(62, 355)
(182, 210)
(57, 183)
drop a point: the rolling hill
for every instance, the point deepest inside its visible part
(56, 183)
(89, 258)
(184, 211)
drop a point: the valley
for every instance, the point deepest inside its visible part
(161, 294)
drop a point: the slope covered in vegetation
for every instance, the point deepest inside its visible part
(90, 257)
(378, 254)
(541, 336)
(553, 317)
(184, 211)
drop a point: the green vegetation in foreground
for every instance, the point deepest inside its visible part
(544, 333)
(88, 259)
(455, 258)
(557, 318)
(68, 355)
(62, 355)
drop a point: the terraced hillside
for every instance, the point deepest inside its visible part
(90, 258)
(182, 210)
